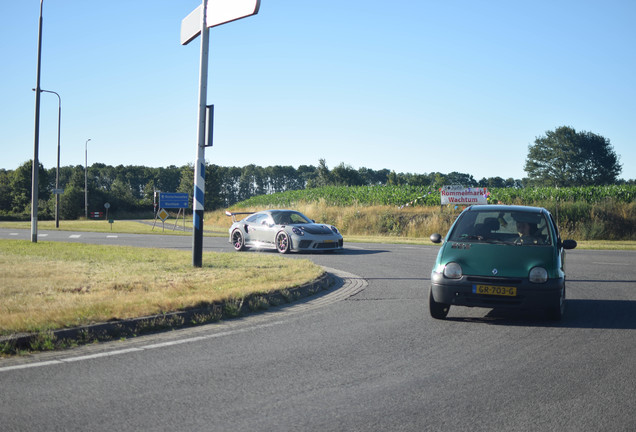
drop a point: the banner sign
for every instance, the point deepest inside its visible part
(173, 200)
(463, 196)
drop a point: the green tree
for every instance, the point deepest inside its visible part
(5, 190)
(345, 175)
(20, 186)
(565, 157)
(323, 175)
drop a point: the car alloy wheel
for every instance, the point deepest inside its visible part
(282, 242)
(237, 240)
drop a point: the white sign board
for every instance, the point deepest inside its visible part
(219, 12)
(463, 196)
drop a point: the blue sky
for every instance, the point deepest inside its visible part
(412, 86)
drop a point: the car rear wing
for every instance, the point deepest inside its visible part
(233, 215)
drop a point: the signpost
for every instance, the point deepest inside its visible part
(173, 200)
(169, 200)
(210, 13)
(460, 195)
(163, 215)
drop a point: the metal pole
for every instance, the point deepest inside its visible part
(199, 167)
(57, 169)
(36, 141)
(86, 178)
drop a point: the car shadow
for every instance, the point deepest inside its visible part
(344, 251)
(579, 313)
(357, 251)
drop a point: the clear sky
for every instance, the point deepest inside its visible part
(412, 86)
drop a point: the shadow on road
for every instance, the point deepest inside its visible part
(579, 313)
(328, 253)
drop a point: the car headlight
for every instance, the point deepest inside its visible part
(538, 275)
(453, 270)
(334, 229)
(298, 231)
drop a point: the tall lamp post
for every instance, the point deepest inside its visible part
(86, 178)
(57, 170)
(36, 141)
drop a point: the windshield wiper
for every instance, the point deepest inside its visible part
(470, 237)
(496, 241)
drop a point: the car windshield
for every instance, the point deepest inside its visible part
(522, 228)
(289, 218)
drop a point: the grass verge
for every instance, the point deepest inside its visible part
(147, 226)
(48, 285)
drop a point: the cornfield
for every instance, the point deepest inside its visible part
(412, 196)
(583, 213)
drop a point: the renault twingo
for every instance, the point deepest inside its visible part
(498, 256)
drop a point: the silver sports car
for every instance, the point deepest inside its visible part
(283, 230)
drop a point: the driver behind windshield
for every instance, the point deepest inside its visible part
(528, 232)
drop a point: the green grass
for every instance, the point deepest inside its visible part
(118, 226)
(49, 285)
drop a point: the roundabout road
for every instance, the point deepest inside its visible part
(371, 359)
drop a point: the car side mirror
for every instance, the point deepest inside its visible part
(569, 244)
(436, 238)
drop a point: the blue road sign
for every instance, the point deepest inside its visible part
(173, 200)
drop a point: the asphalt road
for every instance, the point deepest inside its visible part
(371, 359)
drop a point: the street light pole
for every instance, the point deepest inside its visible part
(57, 170)
(36, 141)
(86, 178)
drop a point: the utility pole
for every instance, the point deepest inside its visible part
(36, 141)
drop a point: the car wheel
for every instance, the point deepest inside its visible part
(556, 312)
(282, 242)
(238, 240)
(438, 310)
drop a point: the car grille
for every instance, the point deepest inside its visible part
(493, 280)
(326, 245)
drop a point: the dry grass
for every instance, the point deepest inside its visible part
(50, 285)
(364, 221)
(608, 226)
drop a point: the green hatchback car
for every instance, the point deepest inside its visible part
(498, 256)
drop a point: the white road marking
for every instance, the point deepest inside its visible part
(75, 236)
(143, 348)
(352, 285)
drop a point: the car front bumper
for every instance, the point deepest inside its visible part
(528, 295)
(316, 244)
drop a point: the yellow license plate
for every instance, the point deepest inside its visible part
(329, 241)
(495, 290)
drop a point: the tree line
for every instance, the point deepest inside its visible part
(131, 189)
(561, 158)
